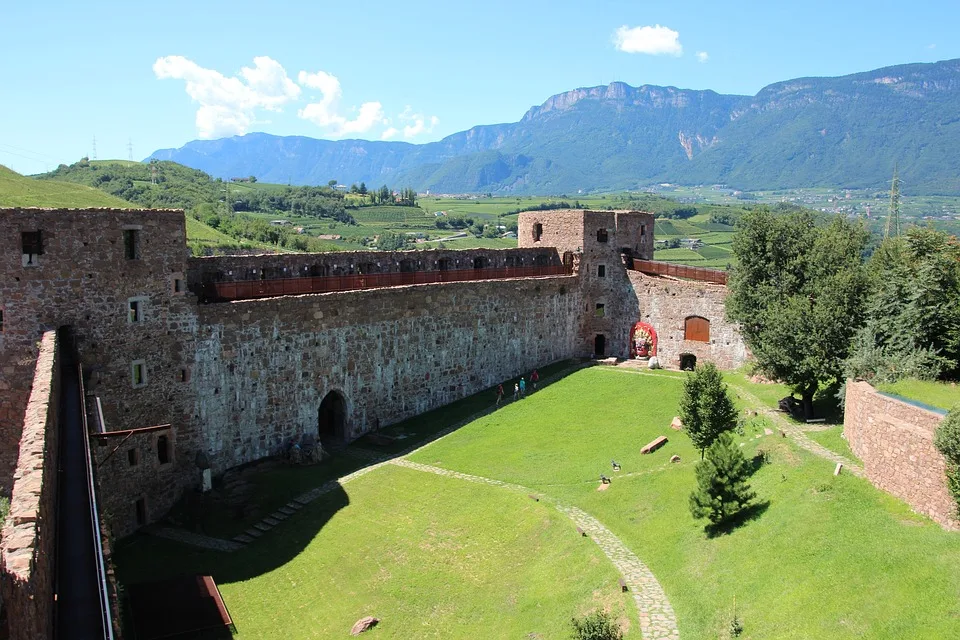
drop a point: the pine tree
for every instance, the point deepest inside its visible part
(722, 490)
(706, 408)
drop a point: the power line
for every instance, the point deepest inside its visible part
(94, 148)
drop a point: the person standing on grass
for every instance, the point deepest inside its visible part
(534, 378)
(516, 391)
(523, 387)
(499, 393)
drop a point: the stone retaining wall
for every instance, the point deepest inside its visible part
(895, 442)
(29, 540)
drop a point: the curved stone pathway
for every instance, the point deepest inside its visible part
(657, 619)
(798, 434)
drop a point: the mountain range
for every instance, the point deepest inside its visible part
(849, 131)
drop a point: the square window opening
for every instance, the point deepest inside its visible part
(600, 310)
(177, 285)
(32, 246)
(602, 235)
(184, 375)
(601, 271)
(133, 457)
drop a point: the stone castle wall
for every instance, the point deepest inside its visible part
(28, 544)
(262, 367)
(83, 278)
(237, 380)
(895, 442)
(666, 304)
(599, 239)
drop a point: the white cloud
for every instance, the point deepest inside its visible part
(655, 40)
(702, 56)
(228, 105)
(931, 46)
(325, 113)
(418, 123)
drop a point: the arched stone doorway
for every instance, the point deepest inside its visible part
(331, 419)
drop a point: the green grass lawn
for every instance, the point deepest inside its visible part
(821, 557)
(944, 395)
(828, 557)
(432, 557)
(833, 439)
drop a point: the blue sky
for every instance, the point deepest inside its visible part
(159, 74)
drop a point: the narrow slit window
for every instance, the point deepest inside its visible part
(131, 244)
(163, 449)
(537, 232)
(1, 320)
(135, 310)
(601, 271)
(133, 457)
(643, 230)
(139, 373)
(141, 509)
(177, 285)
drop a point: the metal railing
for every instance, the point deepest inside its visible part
(699, 274)
(248, 289)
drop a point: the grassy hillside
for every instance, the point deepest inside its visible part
(20, 191)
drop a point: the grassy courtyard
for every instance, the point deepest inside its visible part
(433, 556)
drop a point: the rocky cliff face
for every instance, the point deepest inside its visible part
(845, 131)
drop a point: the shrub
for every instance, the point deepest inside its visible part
(706, 408)
(947, 441)
(598, 625)
(722, 490)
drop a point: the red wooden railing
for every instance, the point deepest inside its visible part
(680, 271)
(247, 289)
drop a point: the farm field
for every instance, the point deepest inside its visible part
(822, 556)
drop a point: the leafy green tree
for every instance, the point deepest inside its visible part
(598, 625)
(722, 491)
(798, 291)
(706, 408)
(912, 310)
(252, 178)
(947, 442)
(363, 188)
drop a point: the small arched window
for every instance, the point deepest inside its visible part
(697, 329)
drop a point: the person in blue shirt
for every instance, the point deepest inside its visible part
(523, 388)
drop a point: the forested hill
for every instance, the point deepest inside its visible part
(848, 131)
(169, 184)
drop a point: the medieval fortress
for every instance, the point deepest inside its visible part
(188, 364)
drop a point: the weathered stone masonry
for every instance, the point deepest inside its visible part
(237, 380)
(27, 575)
(264, 366)
(895, 442)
